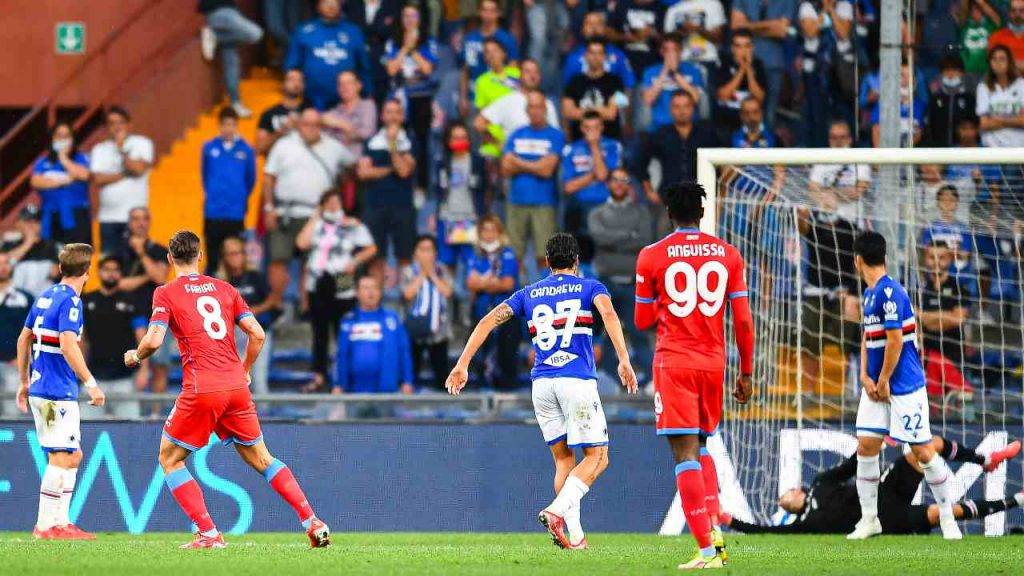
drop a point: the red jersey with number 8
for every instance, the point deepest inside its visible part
(688, 277)
(202, 312)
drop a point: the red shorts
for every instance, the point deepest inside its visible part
(230, 414)
(687, 401)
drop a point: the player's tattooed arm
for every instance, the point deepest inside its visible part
(503, 313)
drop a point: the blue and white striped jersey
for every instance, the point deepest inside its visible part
(58, 309)
(559, 312)
(887, 306)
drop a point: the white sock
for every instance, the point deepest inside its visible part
(868, 472)
(572, 492)
(49, 497)
(572, 522)
(67, 490)
(1019, 497)
(937, 473)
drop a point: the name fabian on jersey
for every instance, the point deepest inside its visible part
(695, 250)
(556, 290)
(200, 288)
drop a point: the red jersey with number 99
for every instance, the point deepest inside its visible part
(688, 277)
(202, 312)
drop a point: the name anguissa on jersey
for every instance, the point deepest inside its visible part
(695, 250)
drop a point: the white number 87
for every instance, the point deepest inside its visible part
(213, 319)
(696, 291)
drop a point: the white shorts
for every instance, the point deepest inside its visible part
(58, 424)
(903, 418)
(570, 409)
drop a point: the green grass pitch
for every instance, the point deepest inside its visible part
(454, 554)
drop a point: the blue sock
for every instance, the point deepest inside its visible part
(708, 552)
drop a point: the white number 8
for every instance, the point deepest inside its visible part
(696, 283)
(213, 321)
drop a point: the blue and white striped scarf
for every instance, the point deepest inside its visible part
(429, 303)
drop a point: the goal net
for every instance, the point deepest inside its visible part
(953, 219)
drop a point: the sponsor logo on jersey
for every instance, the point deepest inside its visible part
(560, 358)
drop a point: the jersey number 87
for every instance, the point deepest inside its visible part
(544, 321)
(696, 292)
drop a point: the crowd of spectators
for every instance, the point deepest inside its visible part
(422, 152)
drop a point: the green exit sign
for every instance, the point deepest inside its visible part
(70, 37)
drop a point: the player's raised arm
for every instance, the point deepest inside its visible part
(460, 373)
(645, 311)
(613, 326)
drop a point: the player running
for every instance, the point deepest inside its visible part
(682, 285)
(50, 365)
(893, 401)
(201, 312)
(560, 313)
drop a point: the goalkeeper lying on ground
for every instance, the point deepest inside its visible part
(831, 506)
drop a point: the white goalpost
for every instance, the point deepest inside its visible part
(793, 213)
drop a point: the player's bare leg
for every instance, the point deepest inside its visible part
(188, 495)
(283, 482)
(938, 474)
(868, 474)
(563, 512)
(692, 493)
(55, 492)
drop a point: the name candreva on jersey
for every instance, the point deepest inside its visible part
(556, 290)
(695, 250)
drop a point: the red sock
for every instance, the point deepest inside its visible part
(707, 466)
(189, 496)
(690, 481)
(284, 483)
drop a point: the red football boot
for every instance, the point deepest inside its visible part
(556, 527)
(319, 534)
(999, 456)
(581, 545)
(48, 534)
(72, 532)
(201, 541)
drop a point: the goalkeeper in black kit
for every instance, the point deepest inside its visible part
(831, 506)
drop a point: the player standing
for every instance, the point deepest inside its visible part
(50, 365)
(893, 400)
(682, 285)
(560, 312)
(201, 312)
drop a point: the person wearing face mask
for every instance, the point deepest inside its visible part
(116, 323)
(325, 47)
(493, 277)
(336, 246)
(62, 180)
(950, 104)
(460, 191)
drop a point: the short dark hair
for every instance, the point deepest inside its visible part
(685, 202)
(496, 42)
(562, 251)
(870, 246)
(596, 40)
(947, 188)
(227, 113)
(951, 61)
(107, 258)
(743, 33)
(120, 111)
(184, 247)
(74, 260)
(425, 238)
(592, 114)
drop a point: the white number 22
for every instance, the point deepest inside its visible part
(213, 319)
(696, 289)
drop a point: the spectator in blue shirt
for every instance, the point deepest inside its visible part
(769, 23)
(410, 58)
(386, 170)
(229, 175)
(62, 179)
(324, 48)
(616, 62)
(493, 273)
(664, 79)
(752, 132)
(529, 161)
(373, 347)
(586, 164)
(911, 114)
(471, 59)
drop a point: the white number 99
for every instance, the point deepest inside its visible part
(696, 291)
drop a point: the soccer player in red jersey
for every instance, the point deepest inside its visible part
(682, 285)
(201, 312)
